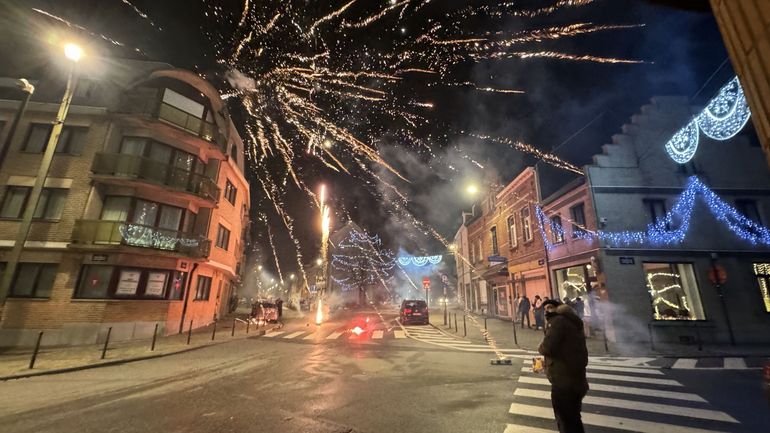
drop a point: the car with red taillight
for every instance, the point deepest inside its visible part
(414, 311)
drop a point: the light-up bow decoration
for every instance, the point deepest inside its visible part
(724, 116)
(419, 261)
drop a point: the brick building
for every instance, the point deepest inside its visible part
(143, 212)
(745, 27)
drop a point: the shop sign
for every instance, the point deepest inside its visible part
(98, 257)
(627, 261)
(156, 283)
(128, 283)
(496, 259)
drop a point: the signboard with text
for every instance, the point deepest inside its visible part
(128, 282)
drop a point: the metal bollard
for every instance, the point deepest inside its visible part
(37, 347)
(214, 331)
(248, 324)
(465, 329)
(189, 333)
(606, 345)
(106, 342)
(455, 323)
(449, 321)
(154, 336)
(515, 337)
(232, 331)
(485, 323)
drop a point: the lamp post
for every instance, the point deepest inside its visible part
(73, 53)
(27, 88)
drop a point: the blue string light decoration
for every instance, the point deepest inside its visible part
(672, 229)
(724, 117)
(419, 260)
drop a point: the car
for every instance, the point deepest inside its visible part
(414, 311)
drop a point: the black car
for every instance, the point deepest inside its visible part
(414, 311)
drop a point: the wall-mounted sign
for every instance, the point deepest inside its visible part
(496, 259)
(156, 284)
(541, 262)
(627, 261)
(128, 283)
(98, 257)
(183, 265)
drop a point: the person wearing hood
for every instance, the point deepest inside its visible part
(566, 357)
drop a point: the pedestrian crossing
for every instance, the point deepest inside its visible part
(623, 399)
(320, 335)
(434, 336)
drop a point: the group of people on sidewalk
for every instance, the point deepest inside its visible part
(522, 306)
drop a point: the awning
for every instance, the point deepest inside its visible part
(495, 272)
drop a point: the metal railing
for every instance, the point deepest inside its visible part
(98, 232)
(137, 167)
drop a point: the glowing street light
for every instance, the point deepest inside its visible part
(259, 268)
(318, 261)
(472, 189)
(291, 276)
(73, 52)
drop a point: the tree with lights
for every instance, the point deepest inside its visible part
(361, 261)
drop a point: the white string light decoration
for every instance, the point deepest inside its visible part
(419, 261)
(724, 116)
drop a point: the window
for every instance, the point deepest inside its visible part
(234, 153)
(203, 289)
(95, 281)
(223, 237)
(49, 207)
(71, 140)
(526, 224)
(656, 210)
(762, 272)
(115, 208)
(493, 233)
(230, 192)
(673, 291)
(107, 282)
(512, 241)
(577, 213)
(576, 284)
(749, 209)
(34, 280)
(557, 231)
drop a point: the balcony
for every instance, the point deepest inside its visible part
(145, 103)
(106, 234)
(132, 168)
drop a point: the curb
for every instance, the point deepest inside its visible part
(113, 362)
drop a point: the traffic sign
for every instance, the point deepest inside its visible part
(426, 283)
(717, 274)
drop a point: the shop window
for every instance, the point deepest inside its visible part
(673, 291)
(512, 241)
(95, 281)
(177, 286)
(493, 235)
(128, 282)
(223, 237)
(526, 224)
(71, 140)
(49, 207)
(575, 286)
(34, 280)
(577, 213)
(557, 232)
(203, 289)
(762, 272)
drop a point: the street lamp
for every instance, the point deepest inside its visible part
(74, 53)
(472, 189)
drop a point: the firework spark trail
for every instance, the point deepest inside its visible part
(142, 14)
(366, 21)
(483, 89)
(562, 56)
(79, 27)
(548, 158)
(245, 13)
(331, 16)
(272, 246)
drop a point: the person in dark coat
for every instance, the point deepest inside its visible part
(279, 306)
(566, 358)
(524, 306)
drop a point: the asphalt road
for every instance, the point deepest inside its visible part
(307, 379)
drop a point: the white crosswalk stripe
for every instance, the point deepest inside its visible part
(685, 364)
(294, 334)
(334, 335)
(613, 401)
(399, 334)
(377, 335)
(735, 364)
(273, 334)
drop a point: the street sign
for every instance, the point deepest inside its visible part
(627, 260)
(717, 274)
(426, 283)
(496, 259)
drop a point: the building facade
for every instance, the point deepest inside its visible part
(143, 213)
(665, 225)
(462, 262)
(745, 27)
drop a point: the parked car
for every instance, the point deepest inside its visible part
(414, 311)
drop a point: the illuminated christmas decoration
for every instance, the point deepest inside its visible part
(151, 237)
(419, 261)
(361, 261)
(672, 229)
(724, 116)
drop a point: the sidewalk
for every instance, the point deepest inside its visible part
(14, 363)
(529, 339)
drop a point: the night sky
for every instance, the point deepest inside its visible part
(569, 107)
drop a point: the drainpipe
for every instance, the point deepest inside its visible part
(187, 297)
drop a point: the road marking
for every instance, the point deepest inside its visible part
(619, 378)
(516, 428)
(310, 336)
(377, 335)
(685, 364)
(664, 409)
(294, 334)
(273, 334)
(735, 364)
(528, 363)
(399, 334)
(334, 335)
(672, 395)
(616, 422)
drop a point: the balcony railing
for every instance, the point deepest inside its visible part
(105, 233)
(146, 169)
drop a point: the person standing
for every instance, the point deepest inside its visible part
(279, 307)
(566, 358)
(537, 306)
(580, 307)
(524, 307)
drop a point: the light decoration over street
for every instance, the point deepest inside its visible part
(724, 116)
(419, 260)
(672, 229)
